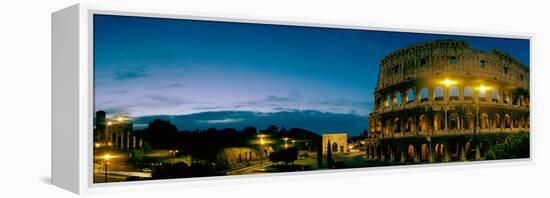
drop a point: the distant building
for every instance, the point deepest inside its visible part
(100, 126)
(115, 133)
(338, 141)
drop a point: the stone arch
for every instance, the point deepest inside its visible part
(410, 152)
(453, 93)
(396, 125)
(397, 153)
(505, 98)
(387, 102)
(424, 94)
(470, 151)
(484, 121)
(514, 99)
(522, 100)
(454, 151)
(494, 96)
(397, 98)
(469, 123)
(423, 120)
(439, 122)
(424, 152)
(438, 93)
(468, 93)
(454, 121)
(439, 152)
(507, 121)
(409, 125)
(334, 147)
(496, 121)
(410, 95)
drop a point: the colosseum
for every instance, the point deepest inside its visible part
(442, 101)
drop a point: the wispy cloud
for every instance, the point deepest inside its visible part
(225, 120)
(132, 73)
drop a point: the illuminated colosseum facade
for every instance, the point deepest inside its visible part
(444, 101)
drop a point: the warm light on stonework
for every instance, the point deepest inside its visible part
(448, 82)
(483, 88)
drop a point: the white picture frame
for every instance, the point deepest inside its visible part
(72, 96)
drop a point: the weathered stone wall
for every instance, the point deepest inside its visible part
(338, 141)
(237, 155)
(445, 89)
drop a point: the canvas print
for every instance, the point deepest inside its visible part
(178, 98)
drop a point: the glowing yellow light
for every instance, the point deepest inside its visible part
(483, 88)
(107, 156)
(448, 82)
(110, 144)
(262, 141)
(109, 123)
(120, 118)
(97, 145)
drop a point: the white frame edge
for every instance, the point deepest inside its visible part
(72, 102)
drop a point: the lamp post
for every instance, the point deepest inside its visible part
(262, 142)
(173, 155)
(106, 158)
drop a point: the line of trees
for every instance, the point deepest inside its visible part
(204, 144)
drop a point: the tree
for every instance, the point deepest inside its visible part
(514, 146)
(287, 156)
(161, 134)
(250, 131)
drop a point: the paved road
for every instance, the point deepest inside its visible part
(249, 169)
(112, 176)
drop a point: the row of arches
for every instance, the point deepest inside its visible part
(453, 93)
(422, 152)
(452, 122)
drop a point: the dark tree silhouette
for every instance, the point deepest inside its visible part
(272, 129)
(250, 131)
(161, 134)
(286, 156)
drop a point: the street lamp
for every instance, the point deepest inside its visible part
(106, 157)
(286, 142)
(262, 142)
(173, 155)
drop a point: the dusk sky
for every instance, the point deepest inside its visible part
(149, 66)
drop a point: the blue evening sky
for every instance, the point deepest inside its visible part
(150, 66)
